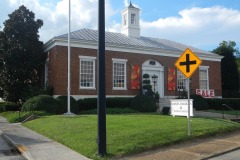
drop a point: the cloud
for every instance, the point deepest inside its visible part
(84, 14)
(197, 26)
(200, 27)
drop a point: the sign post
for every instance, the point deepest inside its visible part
(188, 63)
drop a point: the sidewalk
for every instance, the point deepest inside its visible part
(197, 149)
(34, 146)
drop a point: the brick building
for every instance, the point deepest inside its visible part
(128, 57)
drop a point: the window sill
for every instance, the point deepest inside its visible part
(87, 88)
(121, 89)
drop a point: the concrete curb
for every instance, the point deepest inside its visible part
(222, 153)
(19, 147)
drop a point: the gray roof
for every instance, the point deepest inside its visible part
(121, 39)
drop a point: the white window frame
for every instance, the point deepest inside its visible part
(206, 69)
(46, 75)
(183, 79)
(87, 58)
(133, 18)
(122, 61)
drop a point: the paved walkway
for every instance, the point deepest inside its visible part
(34, 146)
(198, 149)
(213, 115)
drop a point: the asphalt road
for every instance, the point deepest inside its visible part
(7, 152)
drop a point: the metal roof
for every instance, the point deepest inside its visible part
(121, 39)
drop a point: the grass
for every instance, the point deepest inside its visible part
(16, 116)
(126, 134)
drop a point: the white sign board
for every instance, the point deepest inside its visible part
(179, 107)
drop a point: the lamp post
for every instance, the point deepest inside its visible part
(154, 79)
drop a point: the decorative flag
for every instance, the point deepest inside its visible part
(171, 79)
(135, 76)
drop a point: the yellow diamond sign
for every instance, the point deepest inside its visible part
(188, 63)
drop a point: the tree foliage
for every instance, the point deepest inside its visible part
(229, 68)
(21, 53)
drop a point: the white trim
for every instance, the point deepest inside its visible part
(77, 97)
(119, 60)
(87, 57)
(204, 68)
(125, 48)
(92, 59)
(123, 61)
(158, 70)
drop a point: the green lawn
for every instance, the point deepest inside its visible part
(126, 134)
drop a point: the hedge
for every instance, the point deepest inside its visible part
(41, 103)
(144, 103)
(62, 104)
(199, 103)
(216, 104)
(91, 103)
(9, 106)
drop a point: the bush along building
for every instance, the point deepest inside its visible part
(129, 56)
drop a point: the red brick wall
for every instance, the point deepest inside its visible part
(58, 71)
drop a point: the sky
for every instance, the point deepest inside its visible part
(200, 23)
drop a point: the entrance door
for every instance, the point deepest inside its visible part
(154, 81)
(155, 70)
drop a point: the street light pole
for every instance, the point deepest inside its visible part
(101, 80)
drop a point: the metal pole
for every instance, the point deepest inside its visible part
(69, 50)
(101, 80)
(189, 124)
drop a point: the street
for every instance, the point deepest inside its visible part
(7, 152)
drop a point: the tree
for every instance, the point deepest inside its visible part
(21, 53)
(229, 68)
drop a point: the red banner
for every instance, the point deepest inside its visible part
(171, 79)
(135, 76)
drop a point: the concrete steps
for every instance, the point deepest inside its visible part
(163, 102)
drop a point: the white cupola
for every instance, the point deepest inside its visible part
(130, 21)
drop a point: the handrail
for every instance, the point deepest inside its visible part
(230, 109)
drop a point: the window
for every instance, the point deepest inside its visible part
(133, 17)
(46, 72)
(125, 19)
(87, 72)
(203, 77)
(119, 74)
(181, 81)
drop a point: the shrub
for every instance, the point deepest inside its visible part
(62, 104)
(199, 103)
(143, 103)
(41, 103)
(111, 111)
(91, 103)
(87, 104)
(118, 102)
(216, 104)
(9, 106)
(48, 90)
